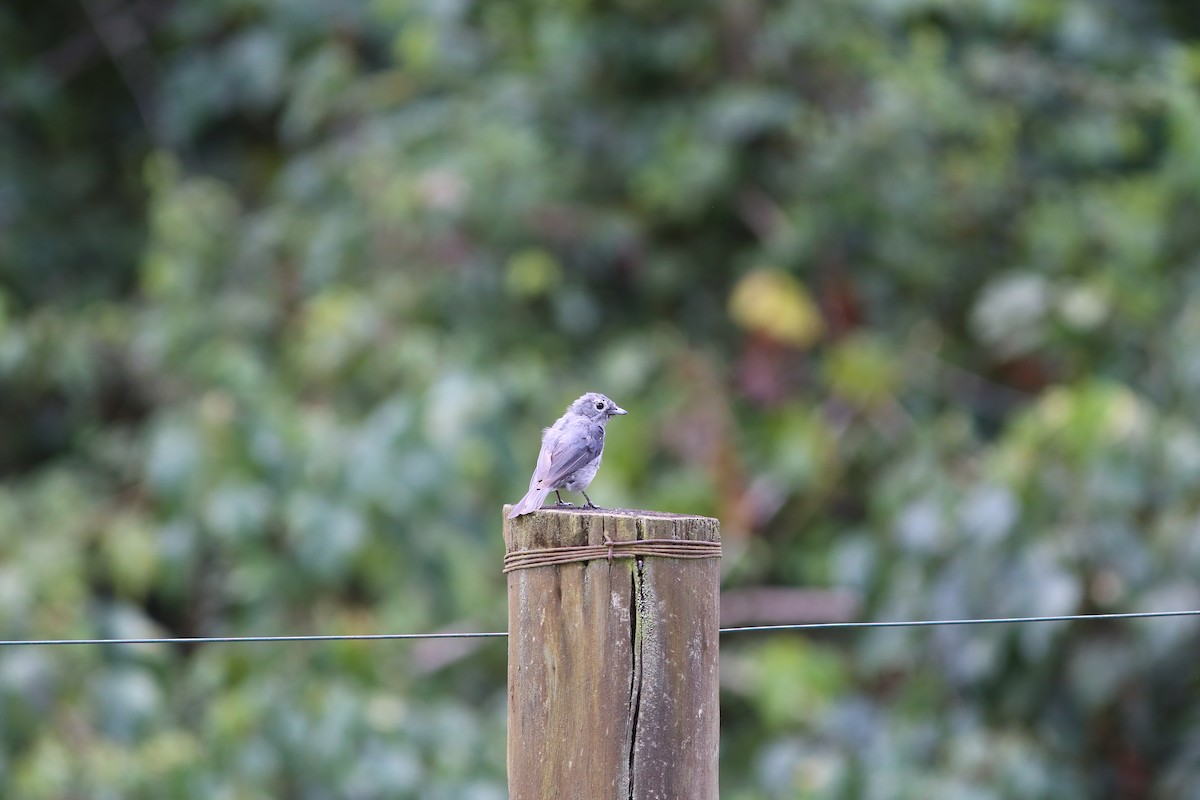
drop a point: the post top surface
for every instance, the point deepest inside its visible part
(607, 512)
(575, 527)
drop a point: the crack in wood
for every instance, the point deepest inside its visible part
(637, 612)
(637, 653)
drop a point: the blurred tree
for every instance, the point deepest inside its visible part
(904, 292)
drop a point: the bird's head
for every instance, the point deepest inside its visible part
(594, 405)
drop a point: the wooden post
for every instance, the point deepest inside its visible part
(612, 664)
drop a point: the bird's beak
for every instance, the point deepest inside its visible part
(618, 411)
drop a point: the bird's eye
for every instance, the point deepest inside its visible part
(600, 406)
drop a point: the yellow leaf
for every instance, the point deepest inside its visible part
(863, 371)
(775, 304)
(532, 273)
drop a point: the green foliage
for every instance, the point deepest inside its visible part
(904, 292)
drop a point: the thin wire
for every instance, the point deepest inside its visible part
(348, 637)
(501, 634)
(990, 621)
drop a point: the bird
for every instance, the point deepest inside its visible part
(570, 454)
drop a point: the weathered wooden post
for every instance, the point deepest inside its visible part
(612, 655)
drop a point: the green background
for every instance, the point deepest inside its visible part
(905, 292)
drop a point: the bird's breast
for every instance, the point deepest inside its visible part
(582, 478)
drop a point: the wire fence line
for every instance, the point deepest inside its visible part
(799, 626)
(921, 623)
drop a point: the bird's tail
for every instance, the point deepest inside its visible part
(531, 502)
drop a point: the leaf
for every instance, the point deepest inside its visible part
(776, 305)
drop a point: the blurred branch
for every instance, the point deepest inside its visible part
(972, 389)
(761, 213)
(124, 39)
(72, 56)
(765, 605)
(434, 655)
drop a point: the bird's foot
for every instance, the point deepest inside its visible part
(564, 504)
(590, 504)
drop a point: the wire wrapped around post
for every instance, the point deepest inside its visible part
(661, 548)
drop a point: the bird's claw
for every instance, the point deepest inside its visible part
(564, 504)
(591, 505)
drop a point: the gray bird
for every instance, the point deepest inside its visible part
(571, 452)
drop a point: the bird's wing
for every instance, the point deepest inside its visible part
(549, 438)
(562, 454)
